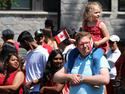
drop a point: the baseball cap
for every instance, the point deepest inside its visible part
(38, 32)
(7, 32)
(114, 38)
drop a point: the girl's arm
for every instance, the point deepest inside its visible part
(51, 89)
(105, 32)
(17, 82)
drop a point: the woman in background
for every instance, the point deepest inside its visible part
(12, 80)
(55, 62)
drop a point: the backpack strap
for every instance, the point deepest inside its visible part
(71, 59)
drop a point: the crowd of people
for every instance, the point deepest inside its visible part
(90, 62)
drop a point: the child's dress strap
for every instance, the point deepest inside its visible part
(98, 23)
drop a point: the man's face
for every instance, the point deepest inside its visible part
(112, 45)
(84, 46)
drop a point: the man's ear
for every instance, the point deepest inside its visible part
(30, 45)
(26, 41)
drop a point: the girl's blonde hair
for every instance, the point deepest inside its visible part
(87, 14)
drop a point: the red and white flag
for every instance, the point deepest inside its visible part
(61, 36)
(91, 43)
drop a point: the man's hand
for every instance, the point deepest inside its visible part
(28, 84)
(74, 79)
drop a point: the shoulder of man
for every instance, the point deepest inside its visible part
(71, 58)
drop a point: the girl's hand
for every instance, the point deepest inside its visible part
(72, 40)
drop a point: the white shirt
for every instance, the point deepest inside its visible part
(112, 57)
(35, 64)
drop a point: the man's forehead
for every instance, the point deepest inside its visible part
(85, 39)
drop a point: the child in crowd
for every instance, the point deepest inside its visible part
(98, 30)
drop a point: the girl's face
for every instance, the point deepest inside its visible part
(13, 62)
(96, 13)
(58, 60)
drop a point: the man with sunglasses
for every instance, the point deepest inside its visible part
(40, 38)
(112, 56)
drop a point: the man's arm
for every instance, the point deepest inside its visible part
(61, 76)
(102, 79)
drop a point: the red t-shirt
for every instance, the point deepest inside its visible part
(48, 47)
(97, 35)
(120, 66)
(17, 46)
(9, 81)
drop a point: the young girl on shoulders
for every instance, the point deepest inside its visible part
(98, 30)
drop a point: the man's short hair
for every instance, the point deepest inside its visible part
(48, 23)
(8, 48)
(79, 35)
(25, 35)
(8, 34)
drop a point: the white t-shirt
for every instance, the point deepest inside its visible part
(112, 57)
(35, 64)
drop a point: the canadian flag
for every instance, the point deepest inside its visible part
(61, 36)
(91, 43)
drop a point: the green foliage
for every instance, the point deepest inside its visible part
(6, 4)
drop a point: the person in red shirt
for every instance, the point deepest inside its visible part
(8, 36)
(12, 80)
(40, 38)
(120, 67)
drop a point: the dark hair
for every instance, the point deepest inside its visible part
(66, 42)
(6, 61)
(79, 35)
(8, 34)
(48, 23)
(25, 35)
(8, 48)
(50, 68)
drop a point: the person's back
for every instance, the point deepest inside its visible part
(49, 38)
(7, 36)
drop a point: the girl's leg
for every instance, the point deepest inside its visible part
(97, 54)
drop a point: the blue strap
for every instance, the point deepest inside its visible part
(72, 56)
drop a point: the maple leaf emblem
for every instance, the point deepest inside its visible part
(61, 36)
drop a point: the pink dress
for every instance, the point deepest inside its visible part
(97, 35)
